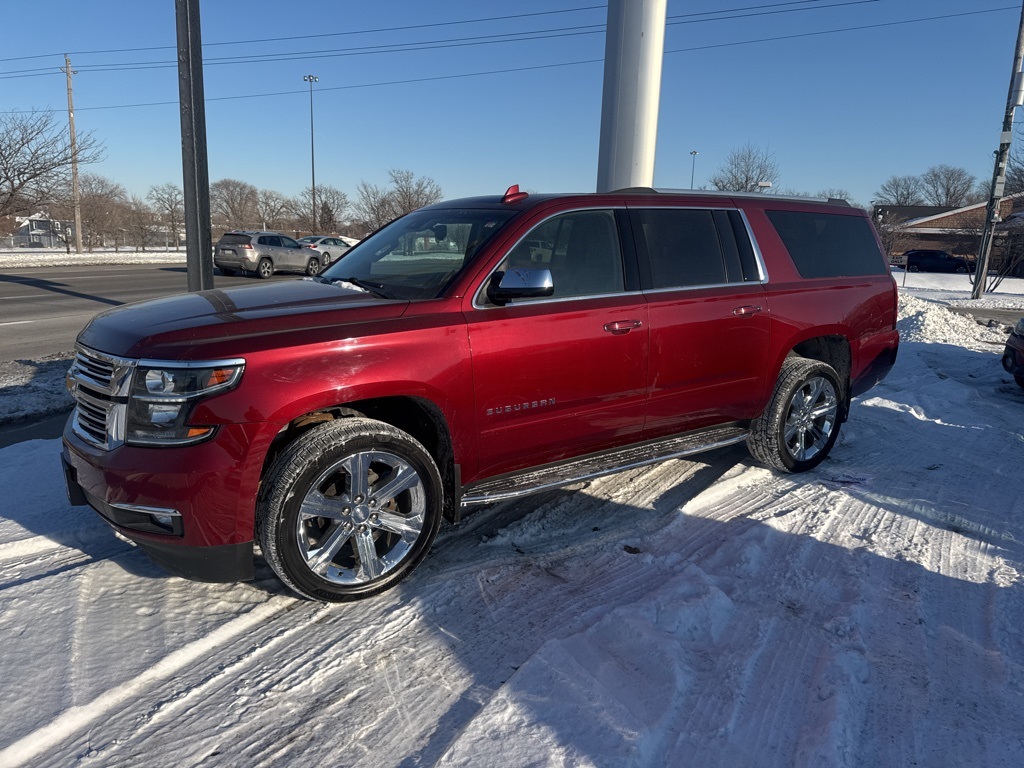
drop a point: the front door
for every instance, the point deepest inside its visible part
(561, 376)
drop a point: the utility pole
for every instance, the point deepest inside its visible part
(196, 173)
(634, 44)
(312, 156)
(75, 195)
(1014, 99)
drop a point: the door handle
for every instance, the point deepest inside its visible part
(747, 310)
(620, 327)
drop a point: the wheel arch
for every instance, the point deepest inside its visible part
(833, 349)
(419, 417)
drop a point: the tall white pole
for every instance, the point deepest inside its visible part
(634, 44)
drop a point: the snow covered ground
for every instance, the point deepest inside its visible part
(704, 613)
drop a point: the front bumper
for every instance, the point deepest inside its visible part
(1013, 355)
(191, 508)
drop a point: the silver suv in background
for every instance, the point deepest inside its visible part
(263, 253)
(330, 248)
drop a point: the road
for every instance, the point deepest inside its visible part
(42, 309)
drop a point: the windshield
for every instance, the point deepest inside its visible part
(308, 239)
(417, 256)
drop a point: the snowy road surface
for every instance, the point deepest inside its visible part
(697, 613)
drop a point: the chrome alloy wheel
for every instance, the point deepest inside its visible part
(361, 517)
(811, 418)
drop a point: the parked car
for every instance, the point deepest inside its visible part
(263, 254)
(935, 261)
(329, 248)
(1013, 355)
(554, 338)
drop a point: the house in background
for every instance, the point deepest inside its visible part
(40, 228)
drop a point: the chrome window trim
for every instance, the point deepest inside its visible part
(762, 269)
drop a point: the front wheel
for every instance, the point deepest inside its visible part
(313, 267)
(349, 509)
(801, 423)
(265, 268)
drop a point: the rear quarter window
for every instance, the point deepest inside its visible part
(828, 244)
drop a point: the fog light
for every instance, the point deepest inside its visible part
(164, 521)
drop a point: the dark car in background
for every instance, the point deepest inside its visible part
(935, 261)
(263, 253)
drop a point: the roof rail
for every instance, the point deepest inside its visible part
(722, 193)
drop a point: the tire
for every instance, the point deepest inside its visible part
(913, 269)
(313, 267)
(265, 268)
(325, 259)
(961, 270)
(801, 423)
(357, 528)
(227, 272)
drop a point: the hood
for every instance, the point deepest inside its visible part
(170, 327)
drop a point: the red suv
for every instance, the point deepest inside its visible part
(471, 351)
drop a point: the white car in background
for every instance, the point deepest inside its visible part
(330, 248)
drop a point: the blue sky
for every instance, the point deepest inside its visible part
(839, 109)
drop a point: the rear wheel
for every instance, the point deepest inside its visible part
(961, 270)
(265, 268)
(801, 423)
(325, 259)
(349, 509)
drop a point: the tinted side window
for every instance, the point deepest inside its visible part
(287, 242)
(829, 244)
(581, 249)
(683, 247)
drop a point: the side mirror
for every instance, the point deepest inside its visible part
(520, 283)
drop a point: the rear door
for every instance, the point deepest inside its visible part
(708, 313)
(566, 375)
(293, 255)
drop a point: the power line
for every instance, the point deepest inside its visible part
(557, 65)
(325, 34)
(456, 42)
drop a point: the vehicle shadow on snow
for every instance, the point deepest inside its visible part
(657, 637)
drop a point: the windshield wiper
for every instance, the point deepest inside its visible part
(375, 288)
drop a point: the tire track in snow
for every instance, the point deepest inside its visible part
(77, 718)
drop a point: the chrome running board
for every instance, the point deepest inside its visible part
(595, 465)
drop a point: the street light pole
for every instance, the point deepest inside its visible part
(693, 164)
(312, 155)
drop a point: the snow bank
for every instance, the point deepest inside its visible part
(930, 321)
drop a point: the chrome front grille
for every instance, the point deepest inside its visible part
(99, 383)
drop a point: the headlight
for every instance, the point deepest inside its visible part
(1019, 327)
(163, 396)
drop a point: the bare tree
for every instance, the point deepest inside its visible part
(373, 207)
(138, 220)
(233, 203)
(947, 186)
(747, 169)
(900, 190)
(376, 206)
(35, 160)
(169, 204)
(272, 208)
(102, 202)
(409, 193)
(336, 201)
